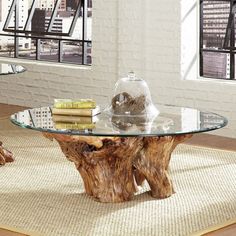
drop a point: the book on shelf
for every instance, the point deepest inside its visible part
(74, 119)
(76, 112)
(74, 103)
(76, 126)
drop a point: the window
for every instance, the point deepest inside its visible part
(51, 30)
(217, 39)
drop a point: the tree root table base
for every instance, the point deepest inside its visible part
(113, 167)
(5, 155)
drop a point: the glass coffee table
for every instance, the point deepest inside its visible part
(8, 69)
(115, 154)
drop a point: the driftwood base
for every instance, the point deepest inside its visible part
(152, 163)
(5, 155)
(112, 168)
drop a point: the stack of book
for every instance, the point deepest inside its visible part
(75, 114)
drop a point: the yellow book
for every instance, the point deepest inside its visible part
(76, 112)
(74, 119)
(74, 104)
(61, 125)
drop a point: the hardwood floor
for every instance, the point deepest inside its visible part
(227, 231)
(206, 140)
(7, 110)
(4, 232)
(213, 141)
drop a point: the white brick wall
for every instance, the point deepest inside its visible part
(155, 38)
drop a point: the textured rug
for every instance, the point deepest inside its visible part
(42, 192)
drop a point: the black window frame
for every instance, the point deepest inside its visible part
(229, 40)
(61, 38)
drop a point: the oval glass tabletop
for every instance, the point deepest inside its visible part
(7, 69)
(170, 121)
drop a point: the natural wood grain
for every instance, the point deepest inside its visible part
(108, 166)
(6, 155)
(107, 170)
(153, 160)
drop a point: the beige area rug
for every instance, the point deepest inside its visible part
(43, 192)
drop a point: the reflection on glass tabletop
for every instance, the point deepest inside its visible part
(6, 69)
(171, 120)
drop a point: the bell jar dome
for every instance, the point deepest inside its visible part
(132, 98)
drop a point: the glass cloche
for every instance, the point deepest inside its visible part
(131, 106)
(132, 98)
